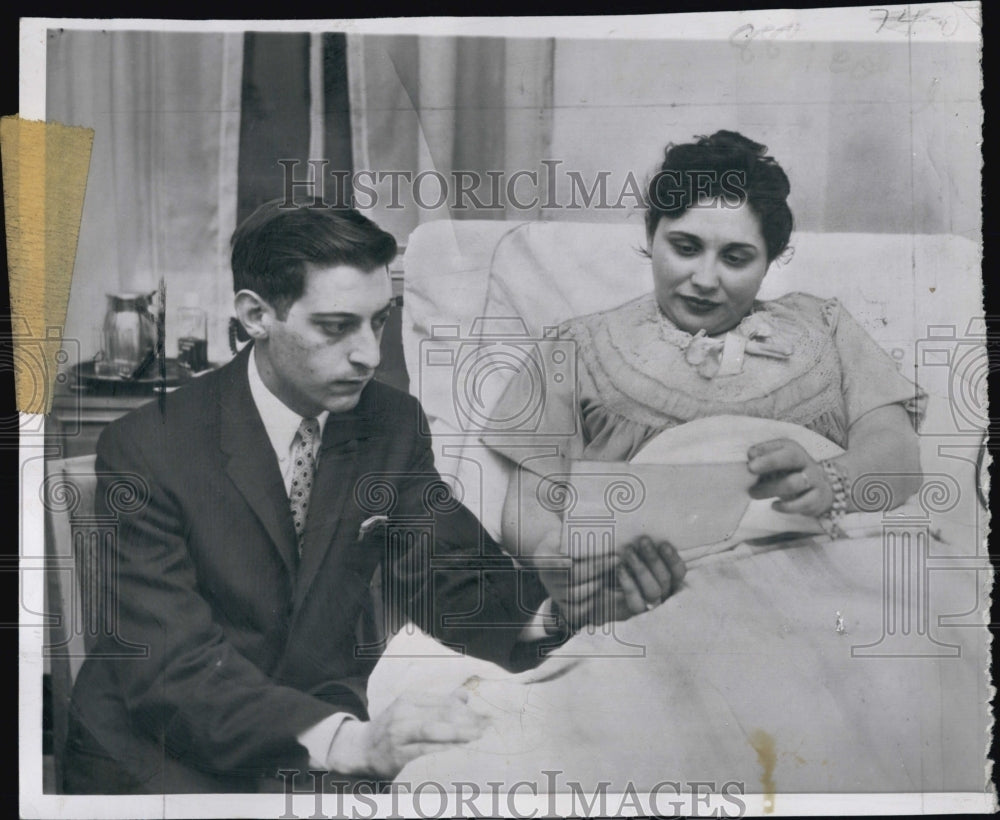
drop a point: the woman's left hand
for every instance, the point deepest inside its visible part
(788, 472)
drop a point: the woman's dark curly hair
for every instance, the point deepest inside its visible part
(724, 169)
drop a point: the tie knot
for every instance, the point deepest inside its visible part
(308, 430)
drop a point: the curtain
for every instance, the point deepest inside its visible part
(447, 106)
(161, 194)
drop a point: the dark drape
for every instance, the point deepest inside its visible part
(274, 122)
(337, 116)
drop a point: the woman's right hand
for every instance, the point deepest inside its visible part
(649, 573)
(597, 588)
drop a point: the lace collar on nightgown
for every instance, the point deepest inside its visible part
(724, 355)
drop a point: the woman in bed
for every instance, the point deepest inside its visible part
(701, 344)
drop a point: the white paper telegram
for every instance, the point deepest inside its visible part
(688, 485)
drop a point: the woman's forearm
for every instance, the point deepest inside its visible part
(882, 447)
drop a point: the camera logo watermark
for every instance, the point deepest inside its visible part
(475, 370)
(956, 365)
(41, 362)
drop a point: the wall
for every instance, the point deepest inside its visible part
(875, 136)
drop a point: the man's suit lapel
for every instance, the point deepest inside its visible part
(252, 464)
(337, 471)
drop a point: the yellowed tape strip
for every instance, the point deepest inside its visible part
(45, 169)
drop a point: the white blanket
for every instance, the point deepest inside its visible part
(746, 674)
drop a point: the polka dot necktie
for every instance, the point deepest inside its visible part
(303, 469)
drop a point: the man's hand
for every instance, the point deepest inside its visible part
(412, 726)
(788, 472)
(598, 587)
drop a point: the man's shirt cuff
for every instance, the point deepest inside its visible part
(318, 739)
(542, 624)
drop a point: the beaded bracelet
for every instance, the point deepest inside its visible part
(832, 519)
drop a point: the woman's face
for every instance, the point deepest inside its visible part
(708, 264)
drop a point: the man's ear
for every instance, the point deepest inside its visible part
(254, 313)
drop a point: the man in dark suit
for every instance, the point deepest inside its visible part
(270, 491)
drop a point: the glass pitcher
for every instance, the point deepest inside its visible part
(129, 333)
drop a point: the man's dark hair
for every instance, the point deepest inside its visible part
(275, 245)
